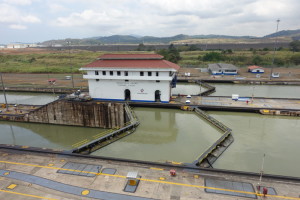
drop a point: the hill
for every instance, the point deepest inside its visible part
(284, 36)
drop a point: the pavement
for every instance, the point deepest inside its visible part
(28, 175)
(265, 103)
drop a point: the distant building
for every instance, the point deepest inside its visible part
(222, 69)
(134, 77)
(18, 45)
(256, 69)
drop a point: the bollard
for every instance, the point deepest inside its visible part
(265, 191)
(172, 172)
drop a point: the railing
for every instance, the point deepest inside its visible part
(210, 89)
(104, 138)
(226, 133)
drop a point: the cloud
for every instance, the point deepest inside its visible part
(30, 19)
(17, 26)
(55, 8)
(18, 2)
(11, 14)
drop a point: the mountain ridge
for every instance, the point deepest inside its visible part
(135, 39)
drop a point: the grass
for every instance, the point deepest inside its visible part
(63, 62)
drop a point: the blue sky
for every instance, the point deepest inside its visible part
(40, 20)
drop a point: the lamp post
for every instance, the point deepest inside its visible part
(252, 94)
(72, 75)
(3, 87)
(275, 48)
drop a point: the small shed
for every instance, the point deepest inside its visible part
(52, 81)
(256, 69)
(222, 69)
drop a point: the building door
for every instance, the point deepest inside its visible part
(127, 95)
(157, 96)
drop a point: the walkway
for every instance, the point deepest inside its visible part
(20, 168)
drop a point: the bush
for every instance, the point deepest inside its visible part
(295, 59)
(213, 56)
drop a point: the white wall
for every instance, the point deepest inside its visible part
(140, 90)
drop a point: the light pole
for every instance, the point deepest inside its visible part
(72, 76)
(261, 173)
(3, 87)
(252, 94)
(275, 47)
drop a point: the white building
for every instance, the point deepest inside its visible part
(222, 69)
(256, 69)
(134, 77)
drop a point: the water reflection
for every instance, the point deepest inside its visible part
(27, 98)
(43, 135)
(164, 135)
(254, 135)
(279, 91)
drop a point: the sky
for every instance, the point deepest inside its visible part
(32, 21)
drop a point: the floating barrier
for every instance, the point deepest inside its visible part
(207, 158)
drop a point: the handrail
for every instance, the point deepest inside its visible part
(218, 124)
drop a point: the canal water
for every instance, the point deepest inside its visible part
(44, 135)
(164, 135)
(272, 91)
(187, 89)
(181, 136)
(255, 135)
(27, 98)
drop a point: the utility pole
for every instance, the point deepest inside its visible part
(261, 173)
(3, 87)
(72, 75)
(275, 48)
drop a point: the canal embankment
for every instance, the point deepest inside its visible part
(72, 113)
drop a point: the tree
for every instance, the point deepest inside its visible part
(295, 45)
(171, 54)
(295, 59)
(213, 56)
(257, 60)
(141, 47)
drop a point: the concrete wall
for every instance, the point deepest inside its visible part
(89, 114)
(139, 90)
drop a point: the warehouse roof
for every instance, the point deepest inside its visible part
(218, 66)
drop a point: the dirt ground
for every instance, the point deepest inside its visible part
(41, 80)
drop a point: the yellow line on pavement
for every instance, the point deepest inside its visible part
(27, 195)
(152, 180)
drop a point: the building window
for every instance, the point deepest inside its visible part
(97, 80)
(103, 73)
(157, 74)
(157, 81)
(149, 73)
(96, 73)
(126, 73)
(118, 73)
(111, 73)
(141, 73)
(126, 80)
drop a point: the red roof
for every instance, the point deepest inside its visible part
(254, 67)
(130, 56)
(132, 61)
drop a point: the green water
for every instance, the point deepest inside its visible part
(164, 135)
(187, 89)
(273, 91)
(255, 135)
(44, 135)
(27, 98)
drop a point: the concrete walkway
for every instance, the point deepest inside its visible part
(228, 102)
(26, 175)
